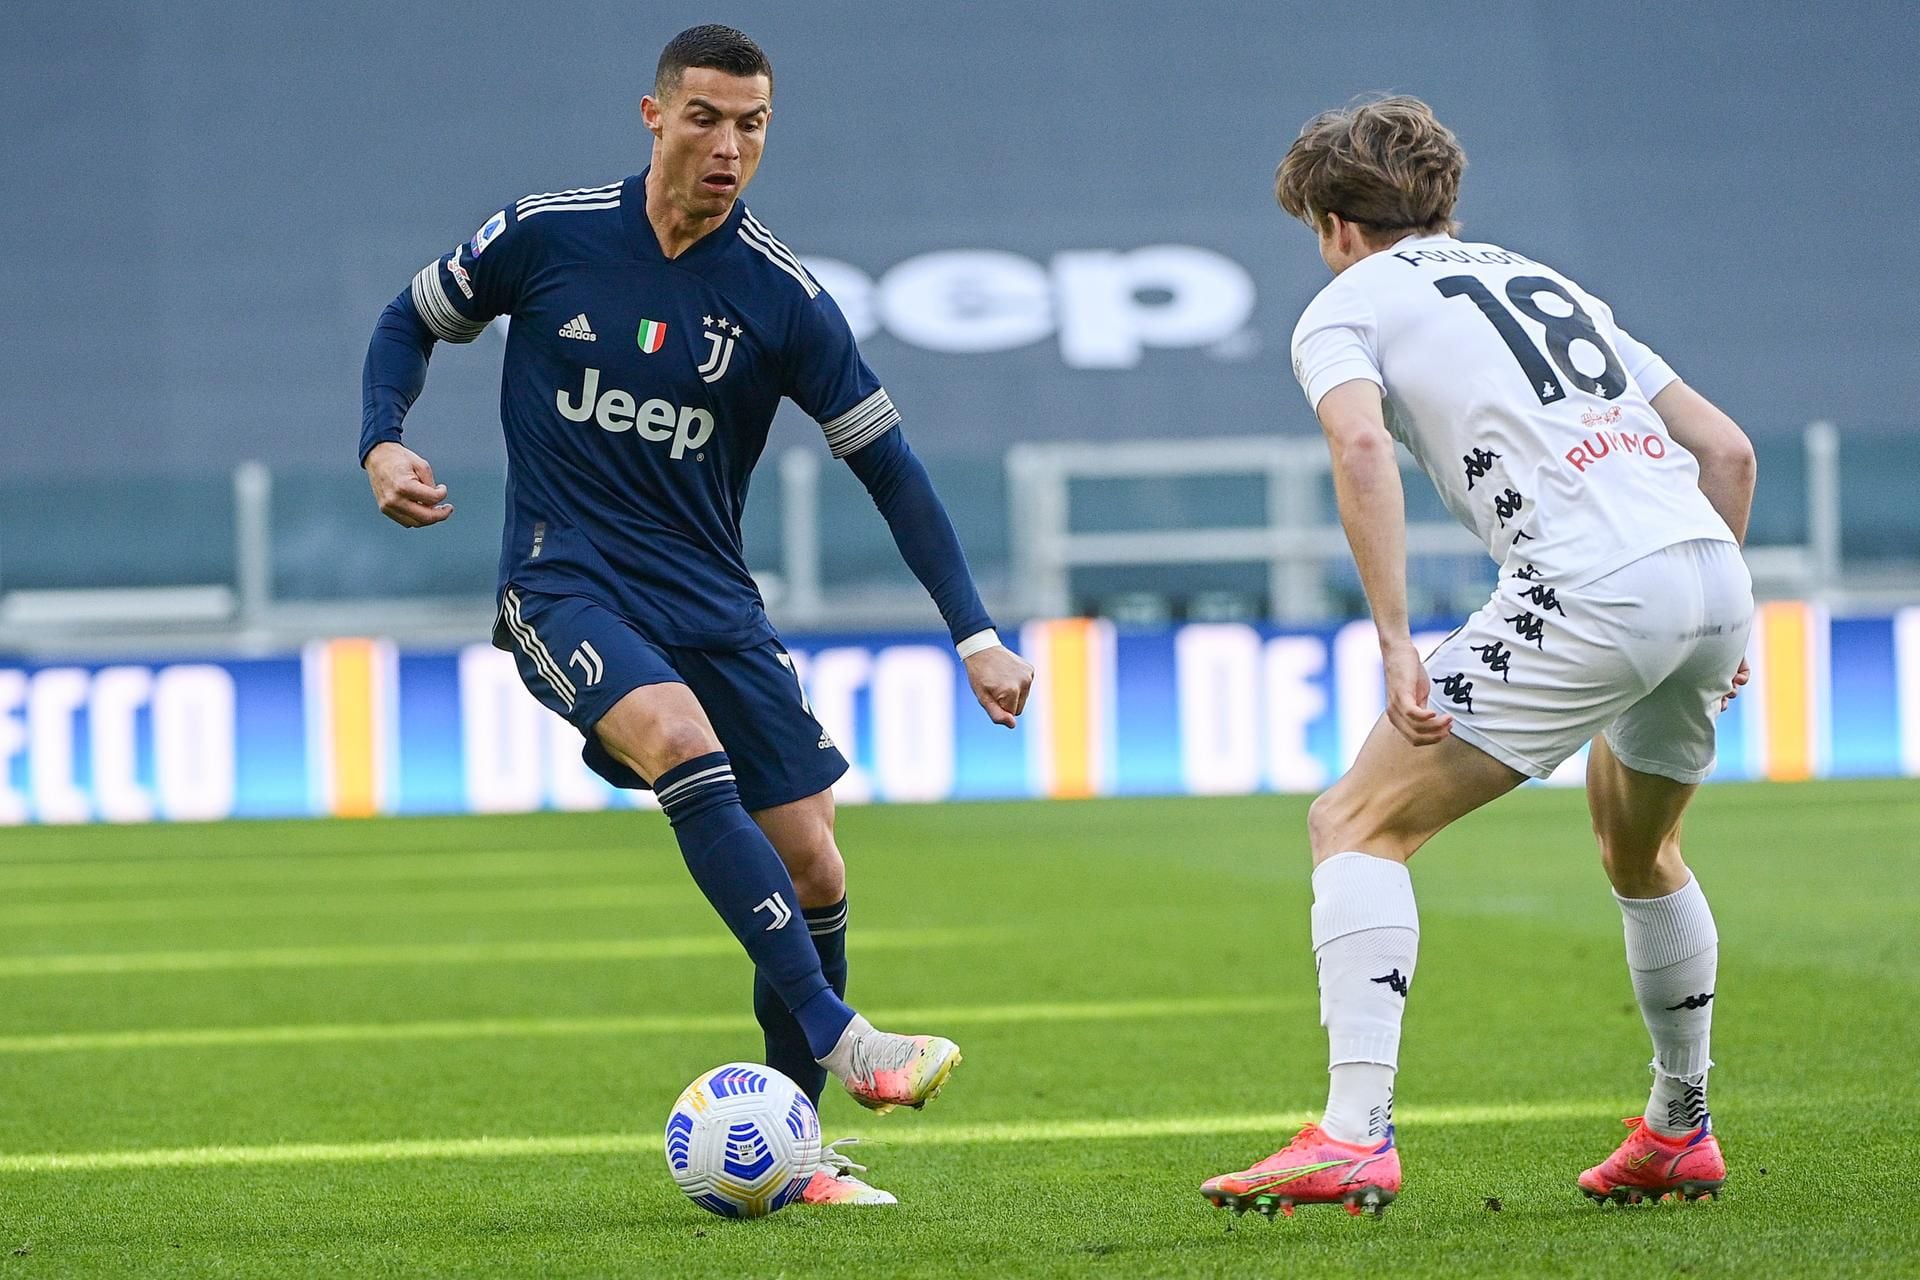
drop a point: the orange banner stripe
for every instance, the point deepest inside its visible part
(1784, 627)
(354, 681)
(1069, 672)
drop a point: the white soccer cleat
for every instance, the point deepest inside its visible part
(888, 1071)
(833, 1182)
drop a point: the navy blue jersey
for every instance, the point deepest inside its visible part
(636, 396)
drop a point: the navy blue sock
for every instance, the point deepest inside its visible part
(736, 867)
(787, 1049)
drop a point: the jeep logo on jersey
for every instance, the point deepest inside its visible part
(1106, 307)
(616, 410)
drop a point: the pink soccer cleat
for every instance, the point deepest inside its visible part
(1652, 1166)
(834, 1182)
(1313, 1169)
(898, 1071)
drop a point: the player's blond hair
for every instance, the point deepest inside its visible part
(1386, 164)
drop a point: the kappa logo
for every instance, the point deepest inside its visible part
(1395, 982)
(720, 337)
(1700, 1001)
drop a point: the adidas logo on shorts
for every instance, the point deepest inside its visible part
(579, 328)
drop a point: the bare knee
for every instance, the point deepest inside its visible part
(1639, 868)
(1340, 820)
(802, 834)
(656, 745)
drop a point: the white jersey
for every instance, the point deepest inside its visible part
(1519, 397)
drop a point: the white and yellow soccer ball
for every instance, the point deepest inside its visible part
(743, 1140)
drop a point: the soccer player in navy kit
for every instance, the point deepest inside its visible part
(656, 326)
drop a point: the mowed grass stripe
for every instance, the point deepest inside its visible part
(1272, 1124)
(693, 1024)
(716, 942)
(323, 868)
(252, 906)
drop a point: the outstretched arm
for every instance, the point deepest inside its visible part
(1366, 481)
(395, 372)
(903, 492)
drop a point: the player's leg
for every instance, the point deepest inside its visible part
(1641, 775)
(787, 764)
(644, 727)
(662, 733)
(1366, 936)
(1526, 689)
(802, 834)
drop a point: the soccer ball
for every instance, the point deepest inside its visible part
(743, 1141)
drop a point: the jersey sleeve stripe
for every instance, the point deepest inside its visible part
(569, 207)
(430, 300)
(545, 197)
(766, 251)
(773, 242)
(861, 425)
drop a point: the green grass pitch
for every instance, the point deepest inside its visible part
(447, 1046)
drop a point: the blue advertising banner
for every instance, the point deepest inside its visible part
(356, 727)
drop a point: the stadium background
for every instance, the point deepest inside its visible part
(222, 197)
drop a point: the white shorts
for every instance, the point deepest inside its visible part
(1643, 654)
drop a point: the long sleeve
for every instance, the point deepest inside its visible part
(395, 372)
(903, 492)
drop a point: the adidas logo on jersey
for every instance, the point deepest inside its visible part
(579, 328)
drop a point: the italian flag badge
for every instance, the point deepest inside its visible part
(652, 335)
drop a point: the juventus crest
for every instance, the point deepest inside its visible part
(721, 336)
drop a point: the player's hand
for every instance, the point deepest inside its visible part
(1001, 679)
(1740, 677)
(403, 486)
(1407, 689)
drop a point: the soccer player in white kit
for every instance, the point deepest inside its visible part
(1613, 497)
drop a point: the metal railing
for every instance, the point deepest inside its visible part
(1300, 538)
(1299, 541)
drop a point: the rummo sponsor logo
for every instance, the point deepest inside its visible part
(616, 410)
(1105, 307)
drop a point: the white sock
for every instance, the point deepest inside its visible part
(1366, 934)
(1673, 952)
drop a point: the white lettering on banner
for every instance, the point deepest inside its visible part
(1107, 306)
(118, 695)
(967, 301)
(1906, 669)
(54, 697)
(833, 679)
(913, 722)
(1359, 682)
(193, 742)
(13, 740)
(500, 734)
(1104, 321)
(1217, 668)
(1295, 698)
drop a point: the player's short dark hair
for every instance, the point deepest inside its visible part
(714, 47)
(1384, 163)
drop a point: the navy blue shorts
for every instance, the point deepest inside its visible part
(579, 658)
